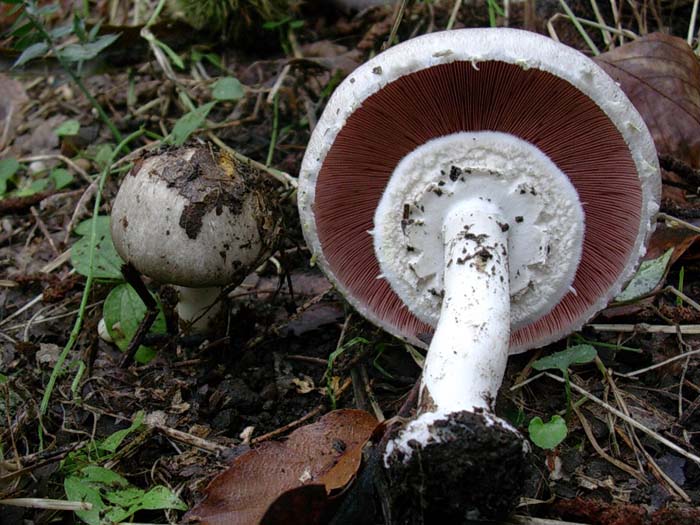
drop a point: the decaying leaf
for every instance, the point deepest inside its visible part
(664, 237)
(661, 76)
(325, 454)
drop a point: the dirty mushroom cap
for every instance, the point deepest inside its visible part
(506, 81)
(193, 218)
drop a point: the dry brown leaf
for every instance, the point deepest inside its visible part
(663, 238)
(326, 453)
(661, 76)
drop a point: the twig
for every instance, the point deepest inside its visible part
(22, 309)
(453, 15)
(289, 426)
(48, 504)
(44, 230)
(658, 365)
(133, 277)
(672, 219)
(398, 16)
(285, 178)
(607, 457)
(189, 439)
(644, 328)
(579, 27)
(68, 162)
(654, 435)
(691, 24)
(682, 296)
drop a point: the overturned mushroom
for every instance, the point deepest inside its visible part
(198, 219)
(495, 188)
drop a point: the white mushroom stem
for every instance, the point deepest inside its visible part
(196, 307)
(468, 354)
(467, 357)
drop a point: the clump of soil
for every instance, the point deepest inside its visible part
(474, 469)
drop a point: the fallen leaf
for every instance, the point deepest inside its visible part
(649, 276)
(664, 237)
(327, 453)
(661, 76)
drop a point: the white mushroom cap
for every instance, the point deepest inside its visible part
(502, 80)
(184, 217)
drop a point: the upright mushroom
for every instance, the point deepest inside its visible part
(198, 219)
(487, 191)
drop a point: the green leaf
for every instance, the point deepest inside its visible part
(160, 497)
(188, 123)
(78, 489)
(69, 127)
(123, 311)
(107, 263)
(547, 435)
(85, 227)
(34, 187)
(102, 155)
(111, 443)
(228, 88)
(32, 52)
(125, 498)
(95, 474)
(78, 52)
(8, 167)
(647, 278)
(574, 355)
(61, 177)
(172, 55)
(60, 31)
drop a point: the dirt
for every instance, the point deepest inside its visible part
(475, 469)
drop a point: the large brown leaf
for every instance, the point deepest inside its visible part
(325, 455)
(661, 76)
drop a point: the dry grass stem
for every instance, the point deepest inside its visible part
(636, 424)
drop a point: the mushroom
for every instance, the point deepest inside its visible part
(198, 219)
(483, 191)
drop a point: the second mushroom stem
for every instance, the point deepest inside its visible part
(468, 354)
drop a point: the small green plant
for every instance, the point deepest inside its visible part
(112, 497)
(681, 283)
(16, 182)
(547, 435)
(123, 312)
(224, 89)
(330, 384)
(123, 309)
(574, 355)
(495, 10)
(235, 17)
(33, 36)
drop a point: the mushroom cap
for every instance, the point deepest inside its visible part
(193, 217)
(501, 80)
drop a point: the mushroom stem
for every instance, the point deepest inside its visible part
(197, 307)
(468, 354)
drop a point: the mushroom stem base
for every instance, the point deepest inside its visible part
(197, 308)
(475, 469)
